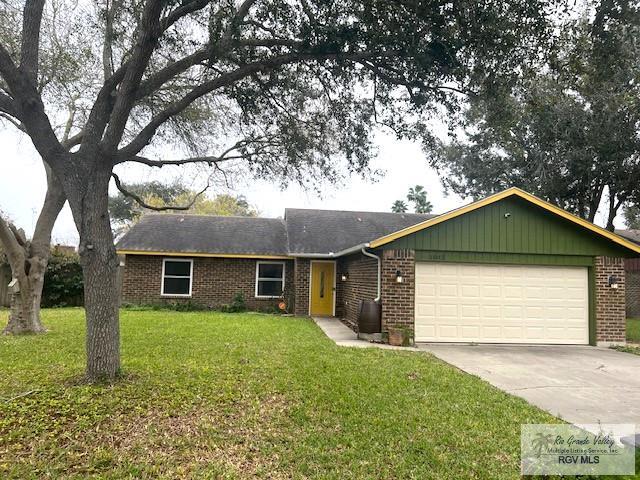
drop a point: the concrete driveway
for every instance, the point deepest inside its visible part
(576, 383)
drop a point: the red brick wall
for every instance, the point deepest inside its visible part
(361, 284)
(215, 281)
(398, 298)
(610, 302)
(301, 281)
(632, 286)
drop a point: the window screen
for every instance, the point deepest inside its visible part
(269, 279)
(176, 279)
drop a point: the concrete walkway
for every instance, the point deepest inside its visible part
(579, 384)
(343, 336)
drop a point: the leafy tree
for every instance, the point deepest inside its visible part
(568, 134)
(399, 206)
(125, 210)
(225, 205)
(288, 89)
(418, 196)
(632, 216)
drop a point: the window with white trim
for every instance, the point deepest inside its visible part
(269, 279)
(177, 277)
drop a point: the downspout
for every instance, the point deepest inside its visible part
(369, 254)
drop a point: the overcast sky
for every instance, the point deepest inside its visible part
(22, 185)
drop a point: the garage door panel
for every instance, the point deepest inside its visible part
(501, 303)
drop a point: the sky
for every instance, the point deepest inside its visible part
(23, 185)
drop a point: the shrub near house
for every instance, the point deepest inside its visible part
(63, 285)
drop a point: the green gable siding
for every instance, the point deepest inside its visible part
(528, 229)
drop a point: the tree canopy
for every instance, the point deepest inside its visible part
(399, 206)
(125, 210)
(292, 90)
(418, 197)
(569, 132)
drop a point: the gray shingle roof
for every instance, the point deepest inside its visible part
(633, 235)
(206, 234)
(326, 231)
(304, 231)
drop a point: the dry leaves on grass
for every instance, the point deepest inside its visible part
(231, 437)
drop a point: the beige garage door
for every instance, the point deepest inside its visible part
(501, 304)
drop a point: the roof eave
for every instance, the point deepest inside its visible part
(497, 197)
(264, 256)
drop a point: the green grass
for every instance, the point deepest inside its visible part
(633, 330)
(633, 336)
(210, 395)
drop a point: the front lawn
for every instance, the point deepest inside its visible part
(633, 330)
(210, 395)
(633, 337)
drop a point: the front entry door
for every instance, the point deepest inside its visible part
(323, 275)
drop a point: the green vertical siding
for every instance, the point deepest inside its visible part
(510, 226)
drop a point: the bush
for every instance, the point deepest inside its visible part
(237, 305)
(175, 306)
(63, 285)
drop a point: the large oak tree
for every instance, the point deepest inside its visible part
(291, 88)
(569, 131)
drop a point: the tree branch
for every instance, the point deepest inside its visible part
(30, 109)
(163, 208)
(31, 20)
(54, 200)
(7, 105)
(15, 253)
(210, 160)
(174, 108)
(145, 43)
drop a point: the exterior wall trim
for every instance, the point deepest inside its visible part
(177, 295)
(335, 274)
(205, 255)
(503, 258)
(284, 278)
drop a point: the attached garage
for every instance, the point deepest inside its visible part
(511, 269)
(458, 302)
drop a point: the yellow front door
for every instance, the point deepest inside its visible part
(323, 275)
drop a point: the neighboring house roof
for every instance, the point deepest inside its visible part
(203, 234)
(330, 231)
(383, 240)
(631, 234)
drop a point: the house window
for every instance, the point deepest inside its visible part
(177, 276)
(269, 279)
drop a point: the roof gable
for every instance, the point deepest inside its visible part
(510, 221)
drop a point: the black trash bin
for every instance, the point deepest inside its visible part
(369, 317)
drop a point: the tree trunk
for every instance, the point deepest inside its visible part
(100, 269)
(24, 316)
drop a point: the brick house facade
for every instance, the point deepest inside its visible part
(301, 278)
(398, 298)
(216, 281)
(361, 284)
(499, 244)
(610, 302)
